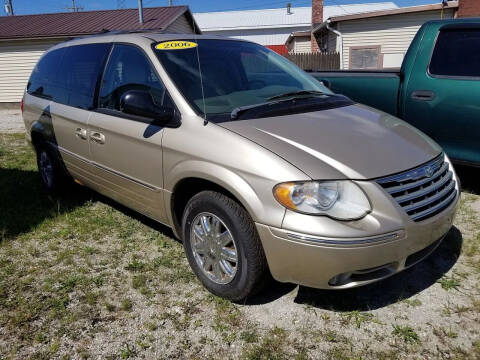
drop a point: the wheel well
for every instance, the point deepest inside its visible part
(186, 189)
(37, 140)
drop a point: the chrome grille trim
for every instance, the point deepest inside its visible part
(434, 209)
(399, 188)
(424, 191)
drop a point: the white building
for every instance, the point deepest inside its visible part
(378, 39)
(272, 27)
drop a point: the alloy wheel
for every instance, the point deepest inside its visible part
(214, 248)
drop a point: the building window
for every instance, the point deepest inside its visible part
(365, 57)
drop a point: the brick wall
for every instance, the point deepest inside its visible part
(317, 18)
(468, 8)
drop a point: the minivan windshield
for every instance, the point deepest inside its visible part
(234, 74)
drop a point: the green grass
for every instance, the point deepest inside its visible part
(406, 333)
(78, 267)
(67, 260)
(449, 283)
(358, 318)
(412, 302)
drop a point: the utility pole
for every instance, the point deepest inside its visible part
(140, 12)
(74, 8)
(9, 7)
(169, 2)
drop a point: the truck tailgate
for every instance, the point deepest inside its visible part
(378, 89)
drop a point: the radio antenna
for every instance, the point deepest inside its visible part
(205, 121)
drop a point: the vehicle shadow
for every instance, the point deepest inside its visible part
(145, 220)
(469, 176)
(24, 203)
(394, 289)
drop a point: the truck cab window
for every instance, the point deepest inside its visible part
(456, 53)
(128, 69)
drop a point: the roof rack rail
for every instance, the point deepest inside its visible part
(119, 32)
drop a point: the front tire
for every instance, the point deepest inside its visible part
(222, 246)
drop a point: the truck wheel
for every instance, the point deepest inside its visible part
(51, 172)
(222, 246)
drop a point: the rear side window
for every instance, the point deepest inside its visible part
(44, 78)
(456, 53)
(80, 71)
(69, 75)
(128, 69)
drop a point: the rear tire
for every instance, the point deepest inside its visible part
(52, 173)
(223, 247)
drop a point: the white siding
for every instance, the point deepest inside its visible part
(393, 33)
(275, 18)
(17, 60)
(180, 26)
(302, 45)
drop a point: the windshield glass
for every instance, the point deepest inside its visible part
(233, 73)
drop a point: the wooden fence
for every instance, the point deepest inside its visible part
(316, 61)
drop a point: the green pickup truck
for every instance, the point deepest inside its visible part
(437, 89)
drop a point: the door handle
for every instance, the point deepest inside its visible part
(81, 133)
(423, 95)
(99, 138)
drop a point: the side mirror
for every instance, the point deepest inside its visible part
(138, 102)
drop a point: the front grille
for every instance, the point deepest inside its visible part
(424, 191)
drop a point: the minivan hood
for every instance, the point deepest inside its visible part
(355, 142)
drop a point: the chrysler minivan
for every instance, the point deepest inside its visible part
(256, 166)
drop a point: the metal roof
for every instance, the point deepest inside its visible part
(403, 10)
(277, 18)
(88, 22)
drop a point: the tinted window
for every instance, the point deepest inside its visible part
(457, 53)
(80, 72)
(233, 74)
(128, 69)
(69, 75)
(44, 78)
(366, 58)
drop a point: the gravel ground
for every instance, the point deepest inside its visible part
(83, 277)
(11, 121)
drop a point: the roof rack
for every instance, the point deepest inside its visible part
(120, 32)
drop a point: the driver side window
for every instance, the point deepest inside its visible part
(129, 69)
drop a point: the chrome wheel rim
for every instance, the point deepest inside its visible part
(46, 168)
(214, 248)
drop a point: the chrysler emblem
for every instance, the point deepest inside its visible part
(429, 171)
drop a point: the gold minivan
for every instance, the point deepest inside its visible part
(256, 166)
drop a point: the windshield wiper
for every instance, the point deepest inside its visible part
(275, 100)
(298, 93)
(237, 111)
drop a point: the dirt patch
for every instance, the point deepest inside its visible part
(83, 277)
(11, 121)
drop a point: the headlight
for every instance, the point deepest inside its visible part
(342, 200)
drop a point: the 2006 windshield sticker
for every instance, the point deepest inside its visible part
(176, 45)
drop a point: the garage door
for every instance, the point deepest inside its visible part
(16, 64)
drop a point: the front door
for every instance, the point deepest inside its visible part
(126, 150)
(443, 91)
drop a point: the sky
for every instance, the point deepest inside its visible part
(24, 7)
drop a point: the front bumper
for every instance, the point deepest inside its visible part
(344, 262)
